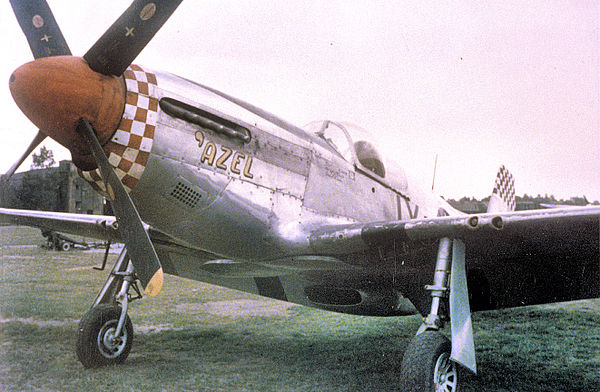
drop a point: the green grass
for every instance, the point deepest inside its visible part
(44, 293)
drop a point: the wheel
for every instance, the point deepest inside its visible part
(426, 366)
(65, 246)
(96, 346)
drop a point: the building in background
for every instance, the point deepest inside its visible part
(51, 189)
(470, 205)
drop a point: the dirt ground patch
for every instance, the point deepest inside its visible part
(241, 308)
(39, 323)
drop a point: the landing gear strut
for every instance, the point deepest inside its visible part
(105, 332)
(427, 364)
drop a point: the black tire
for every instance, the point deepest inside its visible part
(426, 359)
(92, 347)
(65, 246)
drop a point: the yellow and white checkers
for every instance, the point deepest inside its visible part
(129, 148)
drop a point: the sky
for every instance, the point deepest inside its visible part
(478, 84)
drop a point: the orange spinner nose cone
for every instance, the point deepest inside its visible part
(54, 92)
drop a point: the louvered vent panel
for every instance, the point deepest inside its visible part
(186, 195)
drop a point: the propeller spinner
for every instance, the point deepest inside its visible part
(54, 92)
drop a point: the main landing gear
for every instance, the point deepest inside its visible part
(429, 363)
(105, 332)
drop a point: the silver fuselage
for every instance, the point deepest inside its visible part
(257, 200)
(237, 192)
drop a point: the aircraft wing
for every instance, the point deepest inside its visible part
(506, 234)
(509, 232)
(516, 258)
(101, 227)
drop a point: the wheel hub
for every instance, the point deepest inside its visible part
(445, 375)
(109, 345)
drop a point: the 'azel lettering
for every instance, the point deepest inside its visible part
(219, 156)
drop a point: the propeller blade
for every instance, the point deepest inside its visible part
(125, 39)
(40, 28)
(39, 138)
(140, 249)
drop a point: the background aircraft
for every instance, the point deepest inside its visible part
(209, 187)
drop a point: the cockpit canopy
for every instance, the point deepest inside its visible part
(350, 142)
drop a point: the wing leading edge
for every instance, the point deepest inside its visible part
(100, 227)
(519, 231)
(551, 230)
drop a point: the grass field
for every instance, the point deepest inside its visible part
(197, 337)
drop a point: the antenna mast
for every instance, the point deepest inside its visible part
(434, 170)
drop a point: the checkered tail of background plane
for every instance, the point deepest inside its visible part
(503, 196)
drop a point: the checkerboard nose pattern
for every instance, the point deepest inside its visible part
(129, 148)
